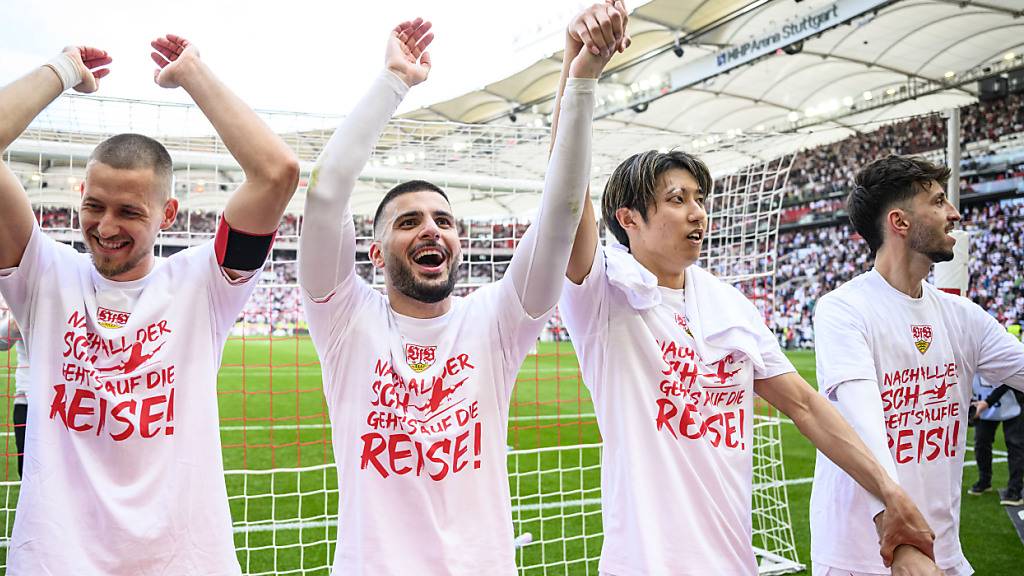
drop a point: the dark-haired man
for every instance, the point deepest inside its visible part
(418, 382)
(124, 474)
(897, 357)
(673, 357)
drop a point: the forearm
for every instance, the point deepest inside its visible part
(539, 264)
(823, 425)
(836, 439)
(270, 167)
(581, 258)
(327, 241)
(996, 394)
(24, 99)
(20, 102)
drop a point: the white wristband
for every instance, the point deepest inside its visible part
(66, 69)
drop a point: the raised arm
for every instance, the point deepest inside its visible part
(20, 102)
(271, 168)
(327, 241)
(600, 28)
(538, 265)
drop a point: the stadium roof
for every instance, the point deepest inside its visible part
(912, 56)
(735, 97)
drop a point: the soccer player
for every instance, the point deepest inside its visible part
(10, 337)
(124, 473)
(418, 382)
(673, 358)
(897, 357)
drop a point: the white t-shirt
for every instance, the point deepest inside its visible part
(123, 474)
(9, 330)
(676, 473)
(419, 413)
(923, 354)
(21, 374)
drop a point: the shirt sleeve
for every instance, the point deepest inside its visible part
(861, 405)
(583, 305)
(1016, 381)
(20, 285)
(517, 330)
(1000, 355)
(227, 296)
(538, 266)
(775, 361)
(841, 346)
(327, 240)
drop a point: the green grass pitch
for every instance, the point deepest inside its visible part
(274, 417)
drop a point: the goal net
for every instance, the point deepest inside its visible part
(275, 430)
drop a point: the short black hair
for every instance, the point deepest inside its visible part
(404, 188)
(884, 183)
(632, 184)
(136, 152)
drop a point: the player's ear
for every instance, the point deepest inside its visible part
(170, 212)
(897, 221)
(628, 218)
(376, 254)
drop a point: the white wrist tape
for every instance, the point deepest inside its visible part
(66, 69)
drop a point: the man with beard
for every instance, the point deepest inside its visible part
(123, 474)
(897, 356)
(673, 357)
(418, 382)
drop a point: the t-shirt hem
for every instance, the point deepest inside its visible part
(840, 564)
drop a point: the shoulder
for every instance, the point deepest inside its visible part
(722, 288)
(963, 308)
(851, 293)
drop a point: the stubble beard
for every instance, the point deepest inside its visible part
(405, 281)
(110, 270)
(931, 245)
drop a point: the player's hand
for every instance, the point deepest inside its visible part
(909, 561)
(88, 60)
(980, 406)
(406, 55)
(176, 58)
(902, 523)
(601, 29)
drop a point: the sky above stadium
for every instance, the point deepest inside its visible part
(301, 55)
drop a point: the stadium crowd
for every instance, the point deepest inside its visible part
(817, 251)
(815, 260)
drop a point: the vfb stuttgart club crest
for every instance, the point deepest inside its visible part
(419, 358)
(111, 318)
(922, 337)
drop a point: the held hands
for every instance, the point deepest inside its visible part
(175, 56)
(88, 61)
(406, 54)
(909, 561)
(903, 524)
(597, 33)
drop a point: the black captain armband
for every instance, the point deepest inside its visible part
(237, 250)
